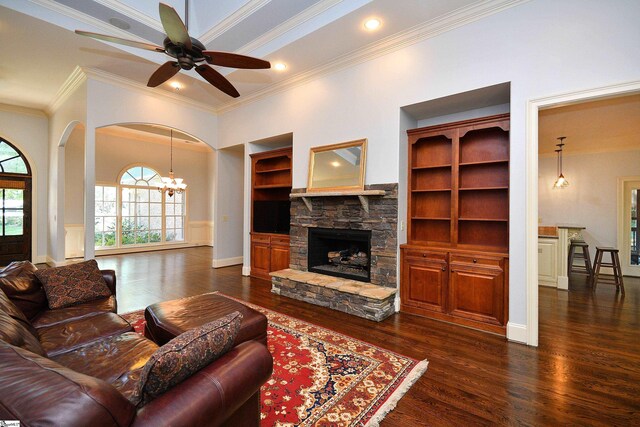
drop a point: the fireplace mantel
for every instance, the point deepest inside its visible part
(362, 195)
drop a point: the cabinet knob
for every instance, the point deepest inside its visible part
(424, 255)
(444, 268)
(475, 260)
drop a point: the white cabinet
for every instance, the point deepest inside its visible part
(548, 262)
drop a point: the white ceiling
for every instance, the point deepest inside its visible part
(40, 50)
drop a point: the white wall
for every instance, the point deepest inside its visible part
(542, 47)
(590, 200)
(28, 130)
(62, 122)
(74, 177)
(229, 217)
(109, 103)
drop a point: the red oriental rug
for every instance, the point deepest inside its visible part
(321, 377)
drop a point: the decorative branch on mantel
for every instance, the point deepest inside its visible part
(362, 195)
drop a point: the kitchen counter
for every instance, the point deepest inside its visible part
(553, 253)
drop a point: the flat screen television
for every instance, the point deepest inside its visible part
(271, 216)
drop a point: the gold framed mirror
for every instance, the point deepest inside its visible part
(337, 167)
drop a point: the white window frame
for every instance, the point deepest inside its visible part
(119, 214)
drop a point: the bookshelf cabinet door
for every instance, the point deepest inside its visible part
(260, 259)
(424, 283)
(477, 293)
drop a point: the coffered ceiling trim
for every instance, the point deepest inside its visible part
(387, 45)
(232, 20)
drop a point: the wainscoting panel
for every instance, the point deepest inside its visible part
(74, 240)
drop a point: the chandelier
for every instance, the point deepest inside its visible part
(561, 181)
(171, 184)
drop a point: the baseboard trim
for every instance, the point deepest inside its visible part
(517, 332)
(225, 262)
(563, 283)
(246, 271)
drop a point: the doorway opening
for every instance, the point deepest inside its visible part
(532, 176)
(15, 195)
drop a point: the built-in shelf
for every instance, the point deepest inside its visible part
(362, 195)
(431, 218)
(483, 162)
(482, 188)
(268, 186)
(286, 168)
(431, 190)
(483, 219)
(415, 168)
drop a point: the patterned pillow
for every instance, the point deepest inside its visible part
(73, 284)
(185, 355)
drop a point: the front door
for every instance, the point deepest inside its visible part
(15, 205)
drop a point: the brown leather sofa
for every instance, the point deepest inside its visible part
(77, 366)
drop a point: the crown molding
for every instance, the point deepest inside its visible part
(22, 110)
(288, 25)
(73, 82)
(103, 76)
(251, 7)
(89, 20)
(385, 46)
(132, 13)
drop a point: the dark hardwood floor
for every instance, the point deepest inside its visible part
(586, 370)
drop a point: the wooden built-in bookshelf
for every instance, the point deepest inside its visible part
(458, 210)
(270, 185)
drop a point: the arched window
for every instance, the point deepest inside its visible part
(15, 195)
(146, 216)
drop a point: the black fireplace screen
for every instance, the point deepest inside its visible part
(341, 253)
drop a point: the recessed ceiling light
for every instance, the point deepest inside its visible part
(176, 86)
(335, 164)
(117, 22)
(372, 24)
(279, 66)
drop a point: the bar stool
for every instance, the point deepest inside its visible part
(614, 265)
(582, 254)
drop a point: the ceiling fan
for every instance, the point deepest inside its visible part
(188, 53)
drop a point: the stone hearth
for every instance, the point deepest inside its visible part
(372, 300)
(361, 299)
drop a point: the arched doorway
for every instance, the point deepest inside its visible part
(15, 204)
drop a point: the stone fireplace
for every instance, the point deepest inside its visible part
(325, 267)
(339, 253)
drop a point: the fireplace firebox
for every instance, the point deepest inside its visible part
(340, 253)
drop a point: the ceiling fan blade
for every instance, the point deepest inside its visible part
(173, 26)
(118, 40)
(217, 79)
(234, 60)
(164, 73)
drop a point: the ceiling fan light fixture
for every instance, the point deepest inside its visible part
(280, 66)
(186, 52)
(176, 86)
(372, 24)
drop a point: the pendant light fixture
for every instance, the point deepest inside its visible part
(561, 181)
(170, 184)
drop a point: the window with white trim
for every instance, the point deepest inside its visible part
(146, 216)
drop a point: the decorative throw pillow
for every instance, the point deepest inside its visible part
(73, 284)
(185, 355)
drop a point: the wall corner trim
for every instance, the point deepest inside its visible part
(246, 271)
(517, 332)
